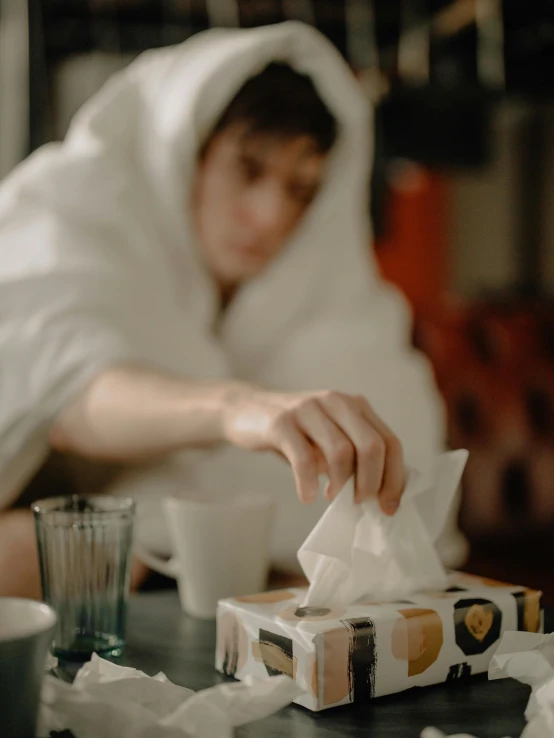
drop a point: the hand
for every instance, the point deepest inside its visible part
(321, 433)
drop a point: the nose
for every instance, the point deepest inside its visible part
(266, 209)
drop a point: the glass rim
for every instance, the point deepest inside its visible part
(65, 505)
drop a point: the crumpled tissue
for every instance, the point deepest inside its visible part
(529, 658)
(120, 702)
(357, 551)
(436, 733)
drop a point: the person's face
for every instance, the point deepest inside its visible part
(250, 195)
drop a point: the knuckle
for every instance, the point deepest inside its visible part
(395, 445)
(342, 452)
(282, 422)
(350, 402)
(374, 449)
(307, 405)
(305, 460)
(363, 402)
(332, 397)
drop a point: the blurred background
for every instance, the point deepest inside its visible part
(462, 201)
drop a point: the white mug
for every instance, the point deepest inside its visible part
(220, 549)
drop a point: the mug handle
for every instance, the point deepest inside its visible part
(169, 568)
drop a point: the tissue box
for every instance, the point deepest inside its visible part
(352, 654)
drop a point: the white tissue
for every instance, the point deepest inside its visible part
(436, 733)
(356, 551)
(529, 658)
(51, 662)
(118, 702)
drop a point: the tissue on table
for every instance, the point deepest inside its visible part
(118, 702)
(432, 732)
(381, 614)
(529, 658)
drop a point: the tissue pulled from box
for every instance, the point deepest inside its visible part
(119, 702)
(356, 551)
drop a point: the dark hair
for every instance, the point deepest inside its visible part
(280, 102)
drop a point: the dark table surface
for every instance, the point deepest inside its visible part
(162, 638)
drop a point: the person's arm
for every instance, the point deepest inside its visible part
(131, 413)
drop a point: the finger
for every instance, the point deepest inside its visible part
(322, 470)
(394, 474)
(300, 455)
(331, 442)
(320, 460)
(369, 446)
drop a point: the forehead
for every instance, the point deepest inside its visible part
(277, 149)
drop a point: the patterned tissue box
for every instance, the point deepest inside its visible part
(352, 654)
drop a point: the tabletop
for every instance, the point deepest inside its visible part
(162, 638)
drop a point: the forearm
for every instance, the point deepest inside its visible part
(129, 413)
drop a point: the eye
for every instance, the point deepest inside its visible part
(252, 169)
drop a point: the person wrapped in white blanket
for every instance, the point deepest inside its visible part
(186, 281)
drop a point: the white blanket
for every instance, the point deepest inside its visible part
(98, 264)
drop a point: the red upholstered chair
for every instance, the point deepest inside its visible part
(495, 367)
